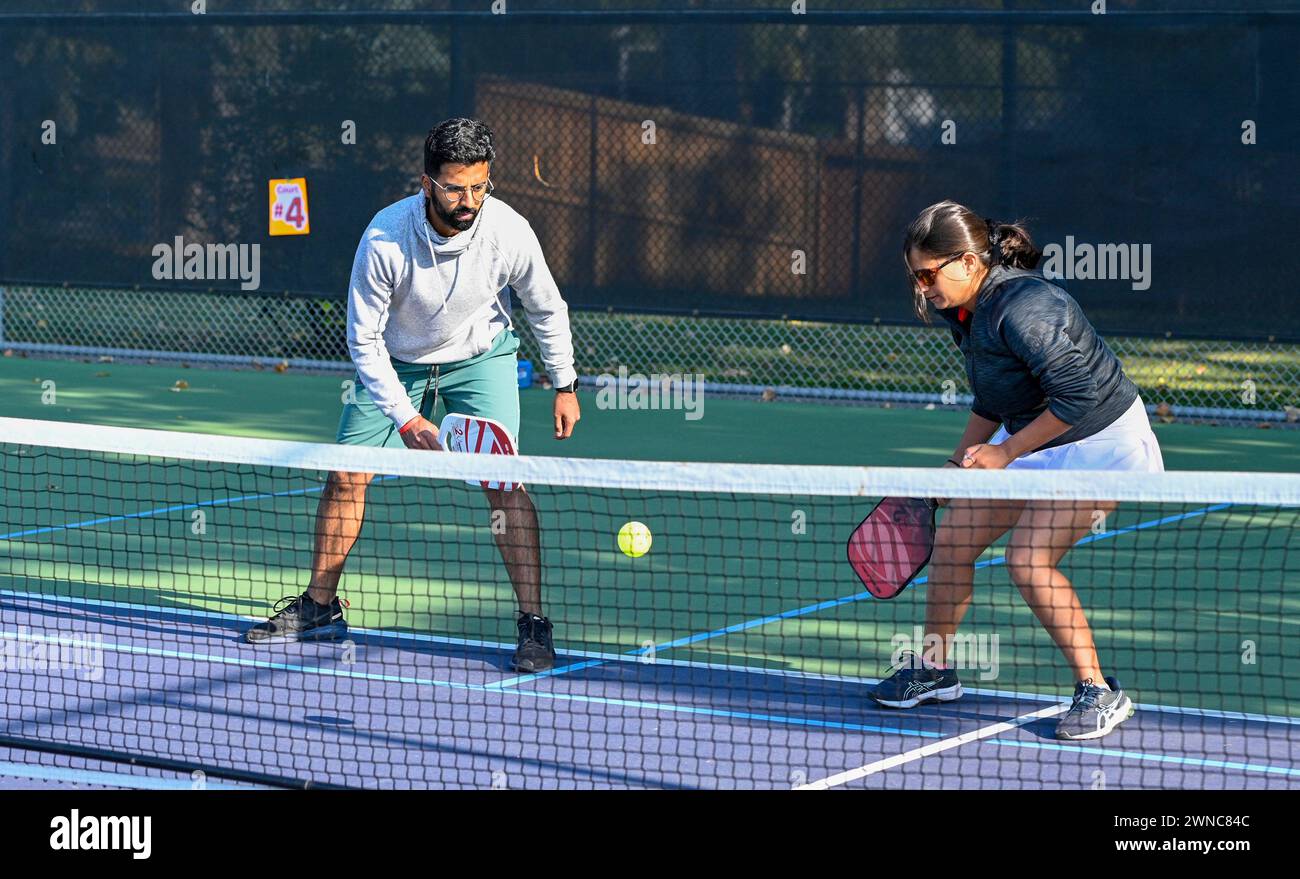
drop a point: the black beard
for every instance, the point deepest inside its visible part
(446, 217)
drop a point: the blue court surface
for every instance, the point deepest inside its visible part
(413, 710)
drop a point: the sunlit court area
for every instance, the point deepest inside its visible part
(758, 398)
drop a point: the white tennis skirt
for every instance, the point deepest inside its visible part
(1126, 444)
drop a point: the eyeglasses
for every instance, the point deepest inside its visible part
(929, 276)
(480, 191)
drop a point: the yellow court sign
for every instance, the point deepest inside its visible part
(289, 207)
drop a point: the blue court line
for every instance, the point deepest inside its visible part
(825, 605)
(665, 707)
(209, 616)
(218, 617)
(1204, 511)
(145, 514)
(159, 511)
(192, 656)
(1199, 762)
(112, 779)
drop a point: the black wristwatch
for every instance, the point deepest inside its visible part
(570, 388)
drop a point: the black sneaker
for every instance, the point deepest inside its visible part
(1094, 711)
(913, 683)
(536, 650)
(300, 619)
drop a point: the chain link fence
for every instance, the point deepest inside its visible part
(787, 359)
(758, 162)
(705, 161)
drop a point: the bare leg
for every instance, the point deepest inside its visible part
(1045, 533)
(514, 526)
(338, 522)
(967, 529)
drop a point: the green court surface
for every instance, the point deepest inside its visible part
(1200, 610)
(305, 407)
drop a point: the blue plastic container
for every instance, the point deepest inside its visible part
(525, 374)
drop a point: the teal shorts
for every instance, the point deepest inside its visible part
(486, 385)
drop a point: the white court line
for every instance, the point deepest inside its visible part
(931, 749)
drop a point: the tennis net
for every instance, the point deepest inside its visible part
(740, 650)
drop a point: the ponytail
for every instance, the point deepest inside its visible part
(1011, 246)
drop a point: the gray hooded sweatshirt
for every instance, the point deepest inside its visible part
(421, 298)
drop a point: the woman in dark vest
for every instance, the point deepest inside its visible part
(1048, 394)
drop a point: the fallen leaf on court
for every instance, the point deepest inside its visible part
(102, 374)
(181, 385)
(282, 366)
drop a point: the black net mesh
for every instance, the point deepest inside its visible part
(724, 641)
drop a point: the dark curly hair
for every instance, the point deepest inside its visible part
(458, 141)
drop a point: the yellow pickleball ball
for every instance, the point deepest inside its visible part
(634, 539)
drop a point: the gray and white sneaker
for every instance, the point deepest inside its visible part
(913, 683)
(1094, 711)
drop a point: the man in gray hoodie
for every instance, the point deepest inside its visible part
(429, 308)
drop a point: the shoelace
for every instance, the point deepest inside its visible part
(528, 629)
(908, 659)
(1089, 695)
(284, 604)
(290, 600)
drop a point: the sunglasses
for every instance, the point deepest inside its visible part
(929, 276)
